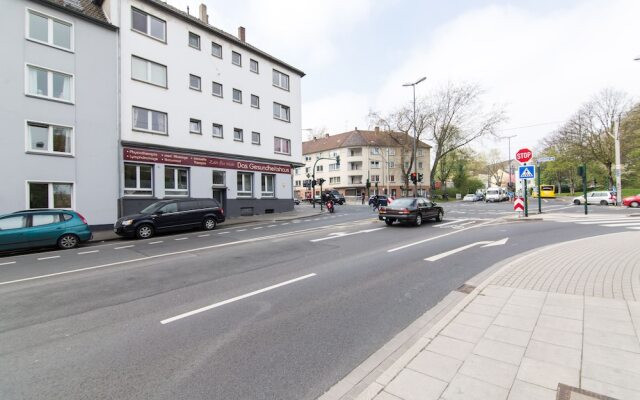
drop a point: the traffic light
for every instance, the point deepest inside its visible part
(419, 177)
(414, 178)
(321, 181)
(314, 183)
(338, 160)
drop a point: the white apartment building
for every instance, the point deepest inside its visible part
(203, 113)
(376, 156)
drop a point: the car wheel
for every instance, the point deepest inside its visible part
(144, 231)
(418, 220)
(634, 204)
(209, 223)
(388, 222)
(68, 241)
(439, 217)
(576, 202)
(603, 203)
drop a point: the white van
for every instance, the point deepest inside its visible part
(496, 194)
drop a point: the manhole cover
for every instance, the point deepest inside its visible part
(572, 393)
(465, 288)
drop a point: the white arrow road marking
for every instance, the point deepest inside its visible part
(244, 296)
(336, 235)
(459, 249)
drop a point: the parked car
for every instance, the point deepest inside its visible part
(336, 196)
(296, 202)
(631, 201)
(603, 198)
(382, 200)
(496, 194)
(410, 210)
(472, 197)
(171, 215)
(42, 228)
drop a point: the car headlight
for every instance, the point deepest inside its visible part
(127, 222)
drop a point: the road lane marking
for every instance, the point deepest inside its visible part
(258, 227)
(244, 296)
(438, 237)
(335, 235)
(622, 224)
(89, 252)
(124, 247)
(240, 230)
(452, 222)
(271, 226)
(173, 253)
(223, 233)
(286, 223)
(47, 258)
(159, 241)
(454, 251)
(182, 238)
(204, 235)
(8, 263)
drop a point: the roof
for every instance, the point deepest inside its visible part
(83, 8)
(216, 31)
(358, 138)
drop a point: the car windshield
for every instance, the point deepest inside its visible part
(152, 208)
(404, 202)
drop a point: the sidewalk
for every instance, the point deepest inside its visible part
(561, 322)
(300, 211)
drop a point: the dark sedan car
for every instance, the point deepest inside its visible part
(382, 200)
(410, 210)
(171, 215)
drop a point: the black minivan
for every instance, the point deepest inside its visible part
(171, 215)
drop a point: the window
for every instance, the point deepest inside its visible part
(334, 167)
(391, 152)
(237, 96)
(280, 80)
(149, 120)
(148, 24)
(245, 184)
(216, 89)
(237, 134)
(49, 138)
(217, 130)
(195, 126)
(236, 59)
(255, 137)
(282, 146)
(391, 164)
(45, 219)
(216, 50)
(50, 195)
(138, 179)
(176, 181)
(375, 150)
(307, 158)
(297, 172)
(218, 178)
(13, 222)
(297, 183)
(280, 112)
(375, 178)
(194, 82)
(419, 164)
(51, 31)
(392, 178)
(319, 168)
(148, 71)
(406, 165)
(419, 153)
(255, 101)
(355, 152)
(253, 66)
(268, 185)
(49, 84)
(307, 169)
(375, 164)
(334, 179)
(194, 40)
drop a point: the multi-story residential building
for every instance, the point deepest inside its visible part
(203, 113)
(58, 105)
(377, 156)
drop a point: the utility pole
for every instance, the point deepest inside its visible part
(616, 132)
(415, 133)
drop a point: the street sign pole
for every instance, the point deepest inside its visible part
(539, 190)
(526, 202)
(584, 188)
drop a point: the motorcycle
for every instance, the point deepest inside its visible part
(330, 206)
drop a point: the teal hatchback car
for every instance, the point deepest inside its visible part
(41, 228)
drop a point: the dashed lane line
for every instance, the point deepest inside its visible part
(124, 247)
(244, 296)
(204, 235)
(8, 263)
(47, 258)
(223, 233)
(240, 230)
(258, 227)
(89, 252)
(156, 242)
(182, 238)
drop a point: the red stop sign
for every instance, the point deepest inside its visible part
(524, 155)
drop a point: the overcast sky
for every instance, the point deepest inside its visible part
(540, 59)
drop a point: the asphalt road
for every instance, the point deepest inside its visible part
(261, 311)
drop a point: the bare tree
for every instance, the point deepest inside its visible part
(454, 118)
(496, 166)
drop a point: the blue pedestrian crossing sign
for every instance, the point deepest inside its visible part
(527, 172)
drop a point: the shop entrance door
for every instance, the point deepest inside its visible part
(221, 196)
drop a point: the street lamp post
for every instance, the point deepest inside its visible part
(510, 158)
(415, 133)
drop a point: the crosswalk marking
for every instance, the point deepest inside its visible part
(608, 221)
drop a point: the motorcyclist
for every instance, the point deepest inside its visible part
(329, 204)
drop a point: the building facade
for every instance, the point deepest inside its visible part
(203, 113)
(375, 156)
(59, 107)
